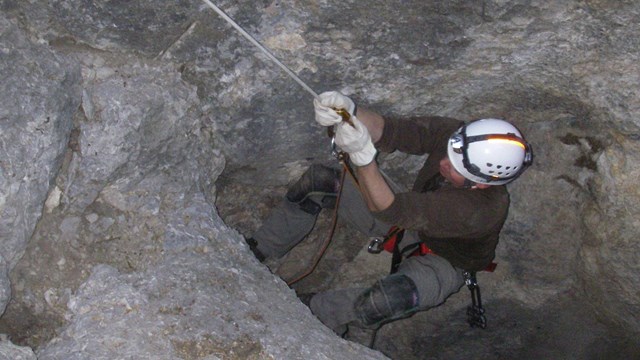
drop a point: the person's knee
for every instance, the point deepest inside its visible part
(394, 297)
(436, 278)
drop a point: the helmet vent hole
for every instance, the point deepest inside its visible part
(489, 165)
(499, 166)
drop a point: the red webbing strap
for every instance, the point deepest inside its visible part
(390, 244)
(491, 267)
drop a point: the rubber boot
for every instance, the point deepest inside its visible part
(316, 189)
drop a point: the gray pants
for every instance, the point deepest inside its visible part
(435, 278)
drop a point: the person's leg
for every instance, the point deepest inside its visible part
(295, 216)
(421, 282)
(334, 308)
(292, 220)
(390, 298)
(435, 278)
(285, 227)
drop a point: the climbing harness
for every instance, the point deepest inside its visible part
(390, 243)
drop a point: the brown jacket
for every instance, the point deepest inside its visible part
(461, 225)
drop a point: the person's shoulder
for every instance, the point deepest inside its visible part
(497, 192)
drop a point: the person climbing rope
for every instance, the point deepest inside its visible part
(453, 214)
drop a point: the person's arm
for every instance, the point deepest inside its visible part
(358, 141)
(373, 121)
(375, 190)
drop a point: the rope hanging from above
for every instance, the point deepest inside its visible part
(261, 47)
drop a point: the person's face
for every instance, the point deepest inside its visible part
(450, 173)
(453, 176)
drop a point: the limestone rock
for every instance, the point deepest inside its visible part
(40, 94)
(9, 351)
(136, 151)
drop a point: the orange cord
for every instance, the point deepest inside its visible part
(334, 222)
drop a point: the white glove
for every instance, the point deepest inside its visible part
(356, 141)
(323, 105)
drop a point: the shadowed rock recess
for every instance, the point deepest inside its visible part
(140, 141)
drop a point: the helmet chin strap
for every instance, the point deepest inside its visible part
(468, 184)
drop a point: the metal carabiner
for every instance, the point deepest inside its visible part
(331, 131)
(375, 246)
(334, 148)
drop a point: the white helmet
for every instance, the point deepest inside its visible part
(489, 151)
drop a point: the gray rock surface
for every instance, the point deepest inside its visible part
(205, 299)
(40, 92)
(171, 95)
(130, 258)
(14, 352)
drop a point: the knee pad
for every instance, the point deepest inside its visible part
(391, 298)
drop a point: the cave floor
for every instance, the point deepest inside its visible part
(563, 328)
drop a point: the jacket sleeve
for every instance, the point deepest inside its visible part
(417, 135)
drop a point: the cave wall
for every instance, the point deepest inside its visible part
(35, 130)
(129, 257)
(169, 94)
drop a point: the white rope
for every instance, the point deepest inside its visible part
(262, 48)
